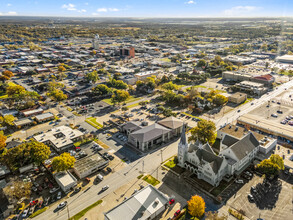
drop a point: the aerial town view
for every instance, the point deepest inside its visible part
(146, 110)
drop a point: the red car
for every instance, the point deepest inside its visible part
(77, 149)
(171, 201)
(177, 213)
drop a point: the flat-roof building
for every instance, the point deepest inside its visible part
(285, 59)
(45, 117)
(237, 97)
(65, 180)
(61, 138)
(89, 165)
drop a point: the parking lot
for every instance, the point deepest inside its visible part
(271, 201)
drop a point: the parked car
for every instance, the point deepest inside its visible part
(109, 169)
(253, 189)
(248, 173)
(59, 195)
(54, 190)
(274, 115)
(250, 198)
(100, 177)
(24, 214)
(280, 111)
(76, 190)
(240, 181)
(177, 213)
(62, 205)
(171, 201)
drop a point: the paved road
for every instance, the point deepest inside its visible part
(147, 164)
(246, 108)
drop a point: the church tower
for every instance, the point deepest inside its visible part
(182, 148)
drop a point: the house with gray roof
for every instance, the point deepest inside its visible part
(235, 155)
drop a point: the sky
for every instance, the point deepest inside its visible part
(147, 8)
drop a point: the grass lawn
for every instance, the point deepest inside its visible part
(170, 164)
(133, 105)
(151, 180)
(39, 212)
(82, 213)
(139, 177)
(131, 99)
(192, 116)
(93, 122)
(11, 84)
(247, 100)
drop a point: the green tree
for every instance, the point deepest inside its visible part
(119, 96)
(57, 95)
(169, 86)
(272, 165)
(117, 75)
(220, 99)
(196, 206)
(101, 90)
(7, 120)
(92, 76)
(205, 131)
(63, 162)
(201, 63)
(18, 189)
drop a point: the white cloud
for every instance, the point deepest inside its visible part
(86, 3)
(9, 5)
(241, 10)
(82, 11)
(102, 10)
(107, 9)
(8, 13)
(113, 9)
(69, 7)
(190, 2)
(95, 14)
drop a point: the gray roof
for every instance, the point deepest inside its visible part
(140, 206)
(150, 132)
(214, 160)
(132, 125)
(171, 122)
(244, 146)
(229, 140)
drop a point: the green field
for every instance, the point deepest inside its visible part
(82, 213)
(151, 180)
(93, 122)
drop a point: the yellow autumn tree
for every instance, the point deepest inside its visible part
(196, 206)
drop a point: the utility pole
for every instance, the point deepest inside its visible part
(68, 212)
(142, 170)
(161, 155)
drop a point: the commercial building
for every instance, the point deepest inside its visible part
(45, 117)
(32, 112)
(127, 52)
(251, 87)
(240, 59)
(237, 98)
(285, 59)
(23, 122)
(146, 204)
(65, 180)
(89, 165)
(60, 138)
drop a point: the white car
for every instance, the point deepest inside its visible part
(105, 188)
(62, 205)
(59, 195)
(54, 190)
(24, 214)
(240, 181)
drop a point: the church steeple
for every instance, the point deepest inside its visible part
(183, 136)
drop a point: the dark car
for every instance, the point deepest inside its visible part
(253, 189)
(109, 169)
(250, 198)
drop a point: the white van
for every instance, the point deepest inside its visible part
(100, 177)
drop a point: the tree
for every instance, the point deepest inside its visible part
(92, 76)
(205, 131)
(6, 75)
(101, 90)
(3, 139)
(169, 86)
(57, 95)
(15, 90)
(120, 96)
(215, 216)
(117, 75)
(220, 99)
(26, 153)
(196, 206)
(124, 108)
(201, 63)
(63, 162)
(18, 189)
(7, 120)
(272, 165)
(61, 68)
